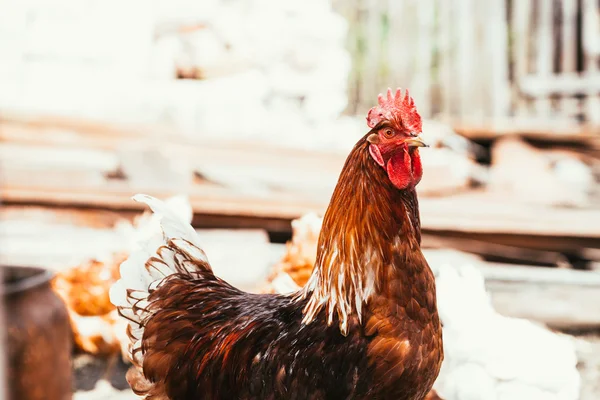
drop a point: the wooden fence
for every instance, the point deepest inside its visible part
(481, 61)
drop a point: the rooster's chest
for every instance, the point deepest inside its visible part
(404, 355)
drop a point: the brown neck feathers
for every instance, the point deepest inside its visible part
(368, 222)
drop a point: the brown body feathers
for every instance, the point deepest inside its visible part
(365, 325)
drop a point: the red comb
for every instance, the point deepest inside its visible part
(396, 107)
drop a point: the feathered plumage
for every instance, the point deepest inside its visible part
(365, 325)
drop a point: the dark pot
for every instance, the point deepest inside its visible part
(39, 339)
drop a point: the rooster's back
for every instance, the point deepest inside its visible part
(192, 335)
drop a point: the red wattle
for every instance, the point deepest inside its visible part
(417, 167)
(399, 169)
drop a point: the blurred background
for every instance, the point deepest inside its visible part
(245, 111)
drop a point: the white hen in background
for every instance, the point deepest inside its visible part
(492, 357)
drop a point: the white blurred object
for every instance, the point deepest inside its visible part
(295, 266)
(240, 257)
(440, 134)
(284, 284)
(492, 357)
(546, 177)
(306, 230)
(244, 268)
(453, 151)
(265, 66)
(103, 391)
(574, 174)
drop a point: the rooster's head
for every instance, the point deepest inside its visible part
(394, 138)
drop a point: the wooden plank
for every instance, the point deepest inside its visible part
(469, 103)
(254, 159)
(576, 246)
(223, 163)
(460, 213)
(559, 306)
(496, 33)
(371, 77)
(540, 275)
(494, 251)
(501, 272)
(53, 216)
(569, 106)
(395, 66)
(469, 214)
(480, 212)
(566, 84)
(352, 12)
(279, 228)
(75, 133)
(481, 77)
(520, 22)
(568, 62)
(285, 193)
(544, 52)
(36, 160)
(422, 82)
(591, 49)
(531, 128)
(445, 56)
(209, 201)
(62, 126)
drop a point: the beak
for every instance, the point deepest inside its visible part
(416, 142)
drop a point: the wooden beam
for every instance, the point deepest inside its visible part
(552, 131)
(216, 202)
(521, 243)
(471, 212)
(497, 52)
(544, 53)
(568, 106)
(563, 84)
(495, 251)
(560, 306)
(559, 298)
(591, 50)
(521, 31)
(484, 213)
(278, 184)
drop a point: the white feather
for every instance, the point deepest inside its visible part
(164, 240)
(173, 226)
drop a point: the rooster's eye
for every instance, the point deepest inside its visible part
(388, 133)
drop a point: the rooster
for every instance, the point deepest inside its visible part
(364, 326)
